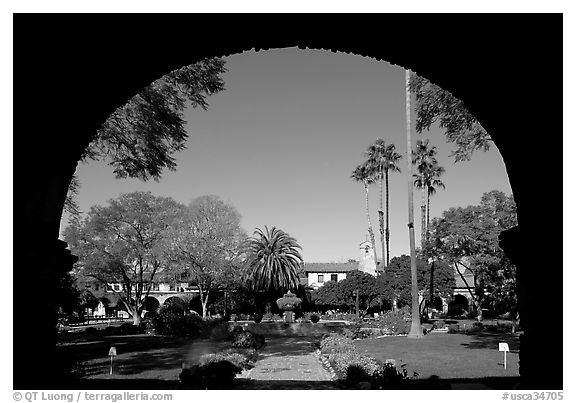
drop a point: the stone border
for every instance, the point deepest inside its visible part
(326, 364)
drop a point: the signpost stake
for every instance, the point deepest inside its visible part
(504, 347)
(112, 353)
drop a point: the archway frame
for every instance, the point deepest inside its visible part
(508, 75)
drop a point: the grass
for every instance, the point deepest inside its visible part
(141, 358)
(448, 356)
(155, 362)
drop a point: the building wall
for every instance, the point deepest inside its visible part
(313, 280)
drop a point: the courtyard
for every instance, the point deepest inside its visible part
(441, 361)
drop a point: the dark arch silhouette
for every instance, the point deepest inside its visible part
(70, 73)
(151, 304)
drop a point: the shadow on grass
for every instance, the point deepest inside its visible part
(490, 341)
(433, 383)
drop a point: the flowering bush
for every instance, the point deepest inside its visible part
(394, 322)
(343, 360)
(336, 343)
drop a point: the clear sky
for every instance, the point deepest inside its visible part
(281, 141)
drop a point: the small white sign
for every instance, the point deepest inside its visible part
(112, 352)
(503, 347)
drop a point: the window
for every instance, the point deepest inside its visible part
(320, 278)
(334, 277)
(117, 287)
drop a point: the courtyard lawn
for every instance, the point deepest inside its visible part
(145, 360)
(448, 356)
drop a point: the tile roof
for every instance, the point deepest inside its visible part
(330, 267)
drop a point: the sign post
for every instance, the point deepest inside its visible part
(503, 347)
(112, 354)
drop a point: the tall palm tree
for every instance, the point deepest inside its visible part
(415, 328)
(362, 174)
(429, 180)
(424, 157)
(273, 260)
(382, 159)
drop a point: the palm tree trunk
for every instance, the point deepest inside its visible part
(423, 219)
(370, 231)
(381, 219)
(427, 213)
(387, 222)
(415, 329)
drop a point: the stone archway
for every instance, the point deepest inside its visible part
(151, 305)
(50, 148)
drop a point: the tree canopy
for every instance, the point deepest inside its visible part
(467, 237)
(206, 244)
(435, 105)
(140, 137)
(273, 258)
(124, 243)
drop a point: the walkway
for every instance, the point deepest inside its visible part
(287, 363)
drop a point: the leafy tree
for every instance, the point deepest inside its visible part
(124, 243)
(328, 295)
(70, 204)
(397, 286)
(272, 261)
(468, 239)
(366, 286)
(140, 138)
(383, 159)
(433, 104)
(205, 243)
(362, 174)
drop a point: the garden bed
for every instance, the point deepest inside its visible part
(292, 329)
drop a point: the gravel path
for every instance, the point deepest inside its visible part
(288, 363)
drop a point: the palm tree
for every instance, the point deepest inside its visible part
(427, 179)
(362, 174)
(273, 260)
(382, 159)
(415, 328)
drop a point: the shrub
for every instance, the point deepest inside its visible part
(394, 322)
(439, 324)
(271, 317)
(174, 322)
(214, 374)
(250, 355)
(390, 376)
(257, 318)
(248, 339)
(343, 360)
(314, 318)
(129, 328)
(453, 328)
(476, 327)
(90, 330)
(221, 332)
(234, 317)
